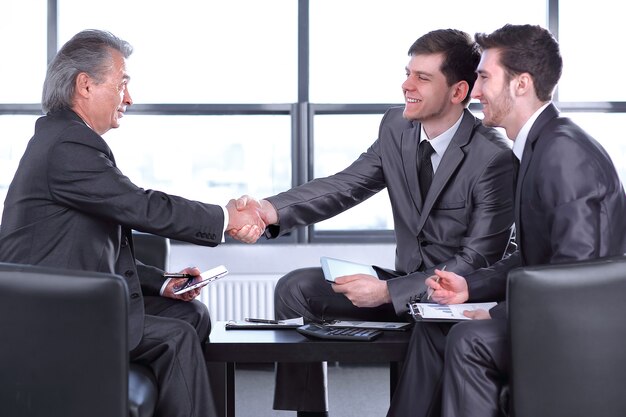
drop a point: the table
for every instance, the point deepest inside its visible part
(228, 347)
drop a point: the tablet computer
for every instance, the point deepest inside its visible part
(334, 268)
(201, 280)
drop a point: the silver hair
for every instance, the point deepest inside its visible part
(88, 51)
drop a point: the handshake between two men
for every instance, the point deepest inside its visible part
(249, 217)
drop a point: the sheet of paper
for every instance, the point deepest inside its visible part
(449, 312)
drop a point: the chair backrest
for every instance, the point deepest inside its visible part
(568, 339)
(152, 250)
(63, 343)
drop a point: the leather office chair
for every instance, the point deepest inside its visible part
(63, 349)
(568, 339)
(155, 251)
(151, 249)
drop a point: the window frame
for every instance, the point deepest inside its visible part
(302, 114)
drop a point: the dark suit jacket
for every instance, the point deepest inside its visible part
(70, 207)
(569, 204)
(465, 221)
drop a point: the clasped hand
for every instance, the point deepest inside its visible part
(249, 217)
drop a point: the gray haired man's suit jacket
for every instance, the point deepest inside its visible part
(69, 206)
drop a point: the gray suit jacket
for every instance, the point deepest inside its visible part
(464, 222)
(70, 207)
(569, 204)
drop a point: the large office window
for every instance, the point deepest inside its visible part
(593, 59)
(206, 158)
(15, 130)
(252, 97)
(590, 90)
(200, 51)
(23, 50)
(359, 57)
(362, 61)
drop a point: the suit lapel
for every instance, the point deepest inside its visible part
(452, 158)
(547, 115)
(410, 140)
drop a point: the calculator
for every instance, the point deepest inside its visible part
(350, 333)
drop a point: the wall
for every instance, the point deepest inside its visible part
(247, 291)
(275, 259)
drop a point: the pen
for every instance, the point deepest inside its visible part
(266, 321)
(430, 290)
(177, 275)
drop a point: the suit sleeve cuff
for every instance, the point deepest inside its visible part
(226, 220)
(162, 290)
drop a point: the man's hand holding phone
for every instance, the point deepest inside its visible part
(196, 282)
(178, 280)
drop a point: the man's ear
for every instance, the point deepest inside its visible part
(460, 90)
(83, 84)
(524, 84)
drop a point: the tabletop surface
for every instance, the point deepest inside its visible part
(290, 346)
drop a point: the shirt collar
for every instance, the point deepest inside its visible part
(520, 141)
(441, 142)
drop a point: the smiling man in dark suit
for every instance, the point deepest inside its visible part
(569, 206)
(69, 206)
(462, 220)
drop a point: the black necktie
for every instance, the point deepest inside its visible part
(425, 167)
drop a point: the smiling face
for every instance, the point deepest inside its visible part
(427, 95)
(107, 101)
(493, 89)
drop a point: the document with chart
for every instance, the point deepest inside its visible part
(450, 312)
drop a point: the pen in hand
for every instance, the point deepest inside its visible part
(430, 291)
(177, 275)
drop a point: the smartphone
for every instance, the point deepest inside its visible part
(201, 280)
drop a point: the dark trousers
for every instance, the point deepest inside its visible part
(453, 370)
(305, 293)
(418, 393)
(477, 362)
(194, 313)
(171, 347)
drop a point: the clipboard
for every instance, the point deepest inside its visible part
(445, 313)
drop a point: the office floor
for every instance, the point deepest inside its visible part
(354, 390)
